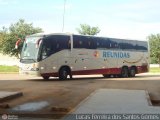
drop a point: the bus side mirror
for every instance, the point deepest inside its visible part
(38, 43)
(17, 43)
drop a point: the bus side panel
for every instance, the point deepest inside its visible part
(92, 62)
(137, 59)
(84, 62)
(49, 65)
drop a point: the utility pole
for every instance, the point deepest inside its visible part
(63, 15)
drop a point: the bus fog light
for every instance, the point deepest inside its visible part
(35, 69)
(54, 67)
(42, 68)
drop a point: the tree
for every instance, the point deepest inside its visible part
(9, 36)
(154, 42)
(2, 36)
(88, 30)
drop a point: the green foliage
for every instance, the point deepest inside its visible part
(88, 30)
(154, 70)
(154, 42)
(7, 69)
(9, 36)
(2, 36)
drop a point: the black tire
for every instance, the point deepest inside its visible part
(63, 73)
(124, 72)
(132, 72)
(45, 77)
(106, 76)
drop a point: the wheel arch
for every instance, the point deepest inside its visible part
(65, 66)
(125, 66)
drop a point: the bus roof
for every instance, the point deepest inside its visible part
(48, 34)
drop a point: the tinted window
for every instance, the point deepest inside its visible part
(133, 45)
(142, 45)
(54, 43)
(126, 46)
(107, 43)
(100, 43)
(83, 42)
(112, 44)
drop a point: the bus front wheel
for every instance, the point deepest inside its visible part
(63, 73)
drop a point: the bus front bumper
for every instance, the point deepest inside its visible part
(34, 73)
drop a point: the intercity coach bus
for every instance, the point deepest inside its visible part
(64, 55)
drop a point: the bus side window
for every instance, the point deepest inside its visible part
(77, 41)
(91, 43)
(63, 42)
(99, 44)
(58, 43)
(46, 48)
(57, 46)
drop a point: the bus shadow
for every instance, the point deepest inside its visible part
(146, 76)
(93, 78)
(73, 79)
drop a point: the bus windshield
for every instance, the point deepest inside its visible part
(30, 49)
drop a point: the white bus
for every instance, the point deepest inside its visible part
(64, 55)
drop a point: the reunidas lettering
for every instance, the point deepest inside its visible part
(110, 54)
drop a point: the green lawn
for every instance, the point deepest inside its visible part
(154, 70)
(9, 69)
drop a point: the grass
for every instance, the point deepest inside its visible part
(8, 69)
(154, 70)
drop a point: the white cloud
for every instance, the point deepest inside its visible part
(137, 31)
(130, 20)
(138, 5)
(133, 10)
(6, 2)
(3, 2)
(133, 19)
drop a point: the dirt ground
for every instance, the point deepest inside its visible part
(63, 96)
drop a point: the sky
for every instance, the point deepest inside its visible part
(127, 19)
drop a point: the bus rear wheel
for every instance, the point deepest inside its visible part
(63, 73)
(124, 72)
(106, 75)
(132, 72)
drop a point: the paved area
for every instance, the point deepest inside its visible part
(5, 95)
(117, 101)
(66, 95)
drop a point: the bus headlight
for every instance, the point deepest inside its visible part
(35, 69)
